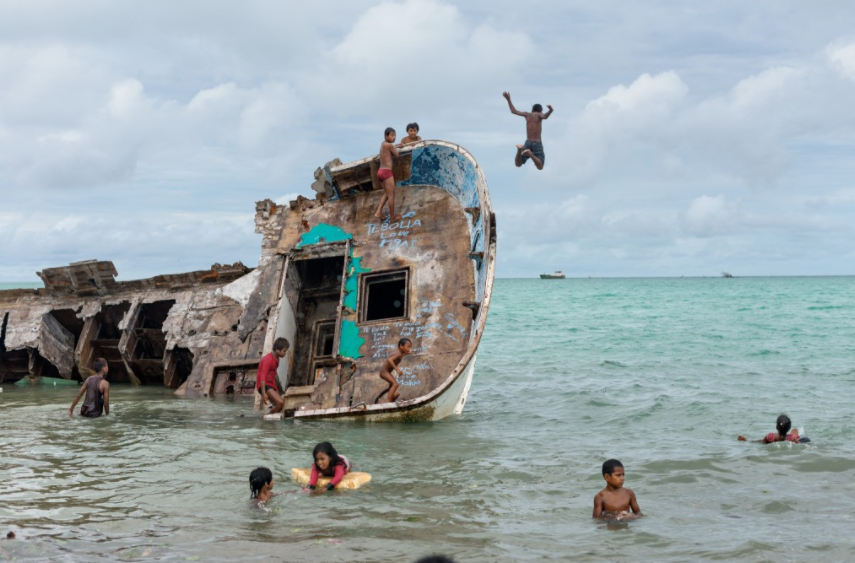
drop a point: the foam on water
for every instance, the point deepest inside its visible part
(661, 374)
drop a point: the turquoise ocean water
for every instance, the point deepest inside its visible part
(662, 374)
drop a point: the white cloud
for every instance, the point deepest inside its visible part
(841, 56)
(709, 216)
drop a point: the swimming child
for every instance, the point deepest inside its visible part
(390, 366)
(783, 434)
(385, 177)
(261, 485)
(412, 134)
(615, 501)
(329, 464)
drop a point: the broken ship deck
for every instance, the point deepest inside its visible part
(342, 286)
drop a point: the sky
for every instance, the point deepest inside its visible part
(688, 138)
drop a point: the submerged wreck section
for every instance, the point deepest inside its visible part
(155, 331)
(340, 284)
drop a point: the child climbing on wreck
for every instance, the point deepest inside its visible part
(261, 485)
(265, 380)
(328, 463)
(783, 434)
(385, 177)
(390, 367)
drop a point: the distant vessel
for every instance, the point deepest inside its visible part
(558, 275)
(726, 275)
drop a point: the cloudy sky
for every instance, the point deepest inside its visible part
(688, 137)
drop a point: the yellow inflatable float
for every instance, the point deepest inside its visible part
(352, 480)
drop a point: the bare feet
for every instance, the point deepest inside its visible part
(526, 152)
(379, 215)
(519, 148)
(397, 218)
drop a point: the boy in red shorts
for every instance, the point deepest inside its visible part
(384, 175)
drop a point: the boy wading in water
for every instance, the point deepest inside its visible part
(533, 147)
(390, 366)
(97, 390)
(614, 501)
(265, 380)
(384, 175)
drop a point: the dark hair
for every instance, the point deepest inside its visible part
(783, 424)
(387, 131)
(537, 107)
(328, 449)
(435, 559)
(610, 465)
(259, 477)
(413, 125)
(403, 341)
(99, 364)
(281, 343)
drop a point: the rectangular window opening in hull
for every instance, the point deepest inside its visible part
(384, 295)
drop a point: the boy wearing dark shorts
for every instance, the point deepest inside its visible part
(533, 147)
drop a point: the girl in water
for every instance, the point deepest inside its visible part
(261, 485)
(328, 464)
(783, 434)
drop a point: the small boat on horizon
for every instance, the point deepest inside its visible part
(557, 275)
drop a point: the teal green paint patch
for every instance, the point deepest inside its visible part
(350, 341)
(350, 284)
(323, 232)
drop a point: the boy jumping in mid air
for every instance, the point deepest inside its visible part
(390, 366)
(614, 501)
(533, 147)
(384, 175)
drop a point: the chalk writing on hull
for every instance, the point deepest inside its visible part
(409, 376)
(400, 234)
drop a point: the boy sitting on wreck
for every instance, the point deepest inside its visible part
(390, 367)
(265, 381)
(412, 134)
(385, 177)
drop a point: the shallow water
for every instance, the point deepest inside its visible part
(660, 373)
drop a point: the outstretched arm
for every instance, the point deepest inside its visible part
(744, 439)
(547, 114)
(514, 111)
(77, 398)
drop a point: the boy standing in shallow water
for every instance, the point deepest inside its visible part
(533, 147)
(384, 175)
(614, 501)
(390, 366)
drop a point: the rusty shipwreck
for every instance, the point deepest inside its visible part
(339, 284)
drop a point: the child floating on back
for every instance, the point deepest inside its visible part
(783, 434)
(615, 501)
(329, 463)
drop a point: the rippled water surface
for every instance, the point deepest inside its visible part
(662, 374)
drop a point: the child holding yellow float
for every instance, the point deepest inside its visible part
(329, 471)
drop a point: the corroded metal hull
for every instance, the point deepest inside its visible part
(341, 285)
